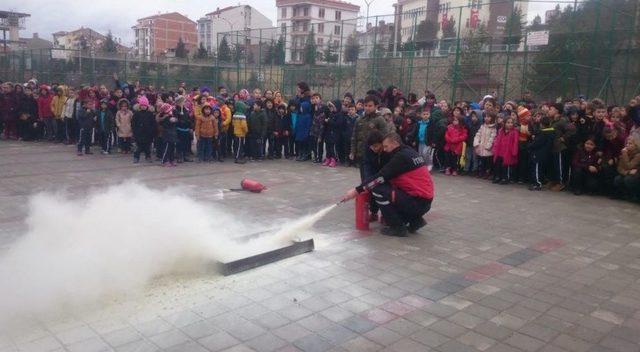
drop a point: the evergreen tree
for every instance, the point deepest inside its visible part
(536, 25)
(224, 52)
(426, 34)
(201, 53)
(330, 54)
(515, 24)
(351, 49)
(268, 54)
(181, 49)
(310, 49)
(278, 52)
(109, 45)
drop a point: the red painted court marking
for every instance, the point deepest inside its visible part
(546, 246)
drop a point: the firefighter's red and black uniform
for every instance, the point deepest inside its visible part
(403, 188)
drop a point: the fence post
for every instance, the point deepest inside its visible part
(125, 67)
(593, 48)
(456, 67)
(340, 56)
(523, 84)
(509, 34)
(375, 57)
(629, 40)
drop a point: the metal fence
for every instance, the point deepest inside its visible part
(456, 52)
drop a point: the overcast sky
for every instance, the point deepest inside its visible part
(118, 16)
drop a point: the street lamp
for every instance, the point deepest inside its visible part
(368, 2)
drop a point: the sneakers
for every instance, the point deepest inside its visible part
(396, 231)
(80, 154)
(535, 188)
(332, 163)
(416, 225)
(104, 152)
(454, 173)
(447, 171)
(326, 162)
(373, 217)
(135, 161)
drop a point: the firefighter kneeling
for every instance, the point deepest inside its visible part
(403, 188)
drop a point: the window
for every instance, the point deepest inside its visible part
(336, 30)
(338, 15)
(283, 12)
(295, 12)
(305, 11)
(336, 43)
(305, 26)
(321, 13)
(283, 28)
(320, 41)
(320, 28)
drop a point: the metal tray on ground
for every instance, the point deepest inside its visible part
(254, 261)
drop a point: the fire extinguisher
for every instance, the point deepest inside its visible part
(362, 211)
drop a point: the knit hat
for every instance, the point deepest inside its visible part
(166, 108)
(205, 89)
(243, 94)
(523, 113)
(123, 101)
(143, 101)
(104, 101)
(385, 111)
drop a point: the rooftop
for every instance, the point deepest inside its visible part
(329, 3)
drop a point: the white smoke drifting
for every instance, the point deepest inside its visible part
(79, 251)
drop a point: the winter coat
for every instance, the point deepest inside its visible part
(106, 120)
(240, 128)
(303, 121)
(349, 122)
(506, 147)
(8, 106)
(363, 126)
(318, 121)
(423, 132)
(225, 118)
(483, 140)
(28, 105)
(628, 162)
(143, 124)
(564, 130)
(184, 119)
(123, 122)
(257, 123)
(206, 127)
(169, 131)
(86, 119)
(472, 130)
(454, 137)
(57, 105)
(44, 106)
(332, 127)
(583, 159)
(541, 145)
(270, 119)
(283, 125)
(69, 109)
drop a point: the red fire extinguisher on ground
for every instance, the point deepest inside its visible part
(362, 211)
(252, 186)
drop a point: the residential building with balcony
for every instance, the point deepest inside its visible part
(159, 34)
(332, 21)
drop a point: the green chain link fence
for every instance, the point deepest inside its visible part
(592, 50)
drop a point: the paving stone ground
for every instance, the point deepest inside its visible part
(497, 269)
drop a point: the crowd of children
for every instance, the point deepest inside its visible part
(585, 146)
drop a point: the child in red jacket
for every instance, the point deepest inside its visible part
(505, 152)
(454, 137)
